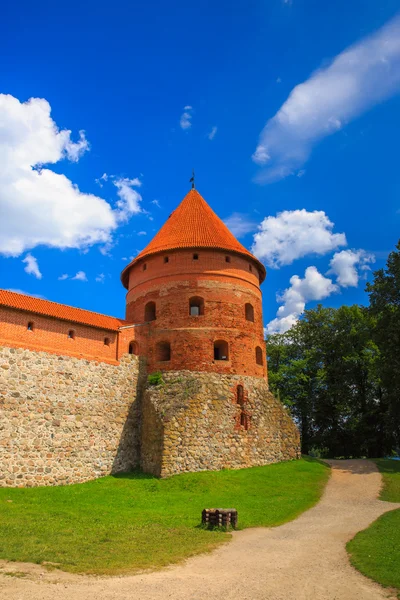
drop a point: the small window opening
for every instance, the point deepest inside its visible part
(144, 267)
(71, 334)
(259, 356)
(30, 326)
(195, 257)
(106, 341)
(166, 259)
(244, 421)
(133, 348)
(150, 311)
(250, 268)
(196, 306)
(249, 312)
(240, 395)
(163, 351)
(221, 350)
(227, 259)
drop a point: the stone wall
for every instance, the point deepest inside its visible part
(201, 425)
(65, 419)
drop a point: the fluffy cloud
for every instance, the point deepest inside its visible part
(63, 277)
(186, 118)
(32, 267)
(39, 206)
(212, 133)
(314, 286)
(356, 80)
(293, 234)
(240, 224)
(80, 276)
(129, 198)
(100, 278)
(345, 265)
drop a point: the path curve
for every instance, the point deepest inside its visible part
(305, 559)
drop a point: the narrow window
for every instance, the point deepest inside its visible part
(106, 341)
(30, 326)
(166, 259)
(249, 312)
(71, 334)
(250, 268)
(195, 257)
(133, 348)
(240, 395)
(227, 259)
(150, 311)
(259, 356)
(144, 267)
(244, 421)
(163, 351)
(221, 350)
(196, 306)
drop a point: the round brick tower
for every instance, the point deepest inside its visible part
(194, 297)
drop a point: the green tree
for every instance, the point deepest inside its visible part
(384, 296)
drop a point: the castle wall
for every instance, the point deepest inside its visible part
(65, 419)
(51, 335)
(225, 287)
(201, 426)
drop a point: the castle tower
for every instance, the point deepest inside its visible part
(194, 294)
(194, 302)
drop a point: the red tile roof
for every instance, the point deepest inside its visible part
(59, 311)
(193, 225)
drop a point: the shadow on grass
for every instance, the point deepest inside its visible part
(386, 465)
(134, 475)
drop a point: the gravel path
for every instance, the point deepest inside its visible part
(302, 560)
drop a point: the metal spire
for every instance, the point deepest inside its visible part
(191, 180)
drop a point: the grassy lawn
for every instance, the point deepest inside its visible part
(376, 550)
(129, 522)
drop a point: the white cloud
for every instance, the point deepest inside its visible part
(293, 234)
(314, 286)
(360, 77)
(63, 277)
(142, 233)
(212, 133)
(32, 267)
(16, 291)
(80, 276)
(240, 224)
(344, 265)
(129, 198)
(37, 205)
(186, 118)
(100, 180)
(156, 203)
(100, 278)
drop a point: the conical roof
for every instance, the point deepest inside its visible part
(193, 224)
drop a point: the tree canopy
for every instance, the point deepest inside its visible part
(339, 372)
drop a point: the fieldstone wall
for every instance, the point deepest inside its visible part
(65, 420)
(201, 425)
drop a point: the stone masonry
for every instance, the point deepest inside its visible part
(194, 422)
(64, 419)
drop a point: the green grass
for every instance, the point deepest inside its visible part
(376, 550)
(129, 522)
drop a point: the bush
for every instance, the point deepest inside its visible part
(155, 379)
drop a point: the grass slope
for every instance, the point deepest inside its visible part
(129, 522)
(376, 550)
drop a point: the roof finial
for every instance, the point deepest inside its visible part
(191, 180)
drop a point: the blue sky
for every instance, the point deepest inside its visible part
(311, 170)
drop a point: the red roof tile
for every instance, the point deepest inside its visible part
(59, 311)
(193, 225)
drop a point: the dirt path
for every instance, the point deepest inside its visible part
(302, 560)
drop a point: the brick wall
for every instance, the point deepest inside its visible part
(225, 287)
(51, 335)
